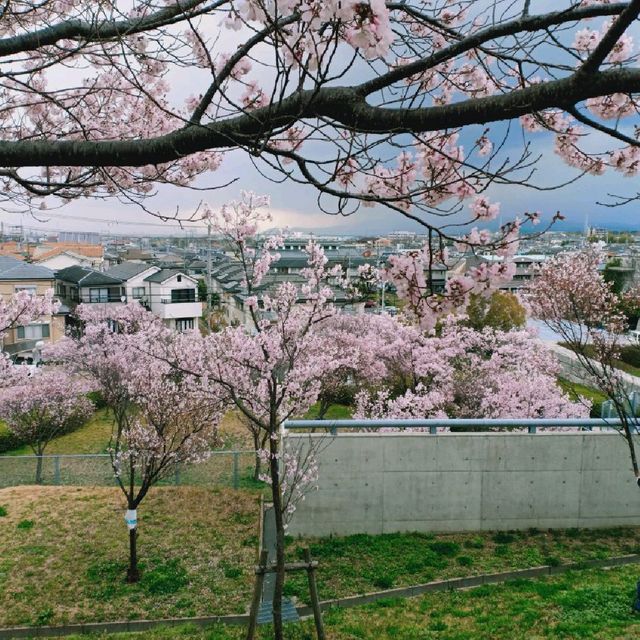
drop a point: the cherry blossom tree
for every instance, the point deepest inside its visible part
(162, 417)
(20, 309)
(571, 297)
(359, 337)
(44, 406)
(410, 105)
(273, 369)
(462, 373)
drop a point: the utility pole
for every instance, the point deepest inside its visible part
(383, 283)
(209, 292)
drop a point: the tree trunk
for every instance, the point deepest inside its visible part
(323, 408)
(133, 575)
(277, 508)
(258, 462)
(38, 468)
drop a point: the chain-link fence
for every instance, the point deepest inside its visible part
(221, 469)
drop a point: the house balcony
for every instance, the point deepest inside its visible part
(101, 299)
(168, 309)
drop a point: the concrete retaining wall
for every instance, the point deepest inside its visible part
(379, 483)
(572, 370)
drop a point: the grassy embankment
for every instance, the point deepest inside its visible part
(64, 554)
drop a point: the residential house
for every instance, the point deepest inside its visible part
(15, 275)
(77, 285)
(57, 256)
(525, 266)
(132, 275)
(171, 294)
(227, 281)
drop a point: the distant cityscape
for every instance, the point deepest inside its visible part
(191, 282)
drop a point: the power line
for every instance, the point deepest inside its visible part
(168, 223)
(122, 233)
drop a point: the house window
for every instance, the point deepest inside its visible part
(98, 295)
(30, 288)
(179, 278)
(62, 290)
(138, 292)
(183, 295)
(33, 332)
(184, 324)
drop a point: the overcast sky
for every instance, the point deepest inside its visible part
(296, 205)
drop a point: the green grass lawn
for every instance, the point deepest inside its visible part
(65, 549)
(592, 604)
(363, 563)
(64, 555)
(335, 412)
(619, 364)
(576, 391)
(93, 437)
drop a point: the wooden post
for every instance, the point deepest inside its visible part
(257, 595)
(313, 591)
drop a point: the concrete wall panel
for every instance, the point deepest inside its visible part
(385, 482)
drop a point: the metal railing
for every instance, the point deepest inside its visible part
(98, 299)
(438, 425)
(175, 301)
(221, 469)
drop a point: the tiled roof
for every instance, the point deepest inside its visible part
(17, 250)
(6, 262)
(127, 270)
(85, 277)
(22, 270)
(87, 250)
(165, 274)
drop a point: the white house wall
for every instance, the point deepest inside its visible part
(138, 281)
(162, 291)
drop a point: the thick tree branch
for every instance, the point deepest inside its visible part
(522, 24)
(605, 46)
(344, 105)
(76, 29)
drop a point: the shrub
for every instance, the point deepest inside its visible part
(596, 409)
(97, 399)
(3, 511)
(413, 566)
(631, 355)
(25, 525)
(474, 543)
(445, 548)
(383, 581)
(44, 617)
(504, 537)
(465, 561)
(9, 441)
(232, 572)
